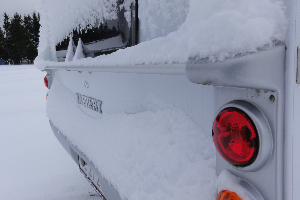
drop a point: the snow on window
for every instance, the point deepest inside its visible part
(60, 18)
(64, 16)
(170, 12)
(214, 29)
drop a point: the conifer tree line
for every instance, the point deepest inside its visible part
(19, 38)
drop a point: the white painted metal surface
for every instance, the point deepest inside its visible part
(292, 149)
(127, 91)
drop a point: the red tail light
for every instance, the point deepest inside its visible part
(46, 81)
(235, 137)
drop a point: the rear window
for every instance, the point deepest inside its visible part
(104, 38)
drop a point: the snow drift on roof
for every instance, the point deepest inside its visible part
(214, 29)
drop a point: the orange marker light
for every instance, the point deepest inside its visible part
(228, 195)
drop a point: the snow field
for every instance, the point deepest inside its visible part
(34, 165)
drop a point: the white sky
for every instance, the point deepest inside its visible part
(20, 6)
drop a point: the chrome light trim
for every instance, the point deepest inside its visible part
(263, 129)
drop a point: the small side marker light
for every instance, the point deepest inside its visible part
(228, 195)
(46, 81)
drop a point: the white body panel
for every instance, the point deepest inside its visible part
(125, 92)
(292, 106)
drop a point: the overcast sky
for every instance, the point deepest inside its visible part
(20, 6)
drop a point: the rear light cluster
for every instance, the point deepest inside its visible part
(242, 136)
(235, 137)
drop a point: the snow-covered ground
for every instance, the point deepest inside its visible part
(33, 163)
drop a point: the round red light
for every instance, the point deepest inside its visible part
(46, 81)
(235, 137)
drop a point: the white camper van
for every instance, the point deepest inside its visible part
(185, 99)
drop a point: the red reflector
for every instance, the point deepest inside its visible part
(235, 137)
(46, 81)
(228, 195)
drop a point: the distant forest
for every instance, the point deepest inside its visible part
(19, 38)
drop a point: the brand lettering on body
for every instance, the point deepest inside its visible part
(90, 103)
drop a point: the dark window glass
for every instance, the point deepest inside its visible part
(104, 38)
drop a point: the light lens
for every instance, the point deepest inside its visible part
(228, 195)
(235, 137)
(46, 81)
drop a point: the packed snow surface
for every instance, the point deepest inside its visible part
(159, 153)
(214, 29)
(34, 166)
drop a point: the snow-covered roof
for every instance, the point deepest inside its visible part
(214, 29)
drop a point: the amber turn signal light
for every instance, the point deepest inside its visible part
(228, 195)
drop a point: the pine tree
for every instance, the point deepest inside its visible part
(36, 28)
(2, 45)
(31, 48)
(32, 25)
(6, 24)
(7, 37)
(19, 39)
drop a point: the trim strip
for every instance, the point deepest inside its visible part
(164, 69)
